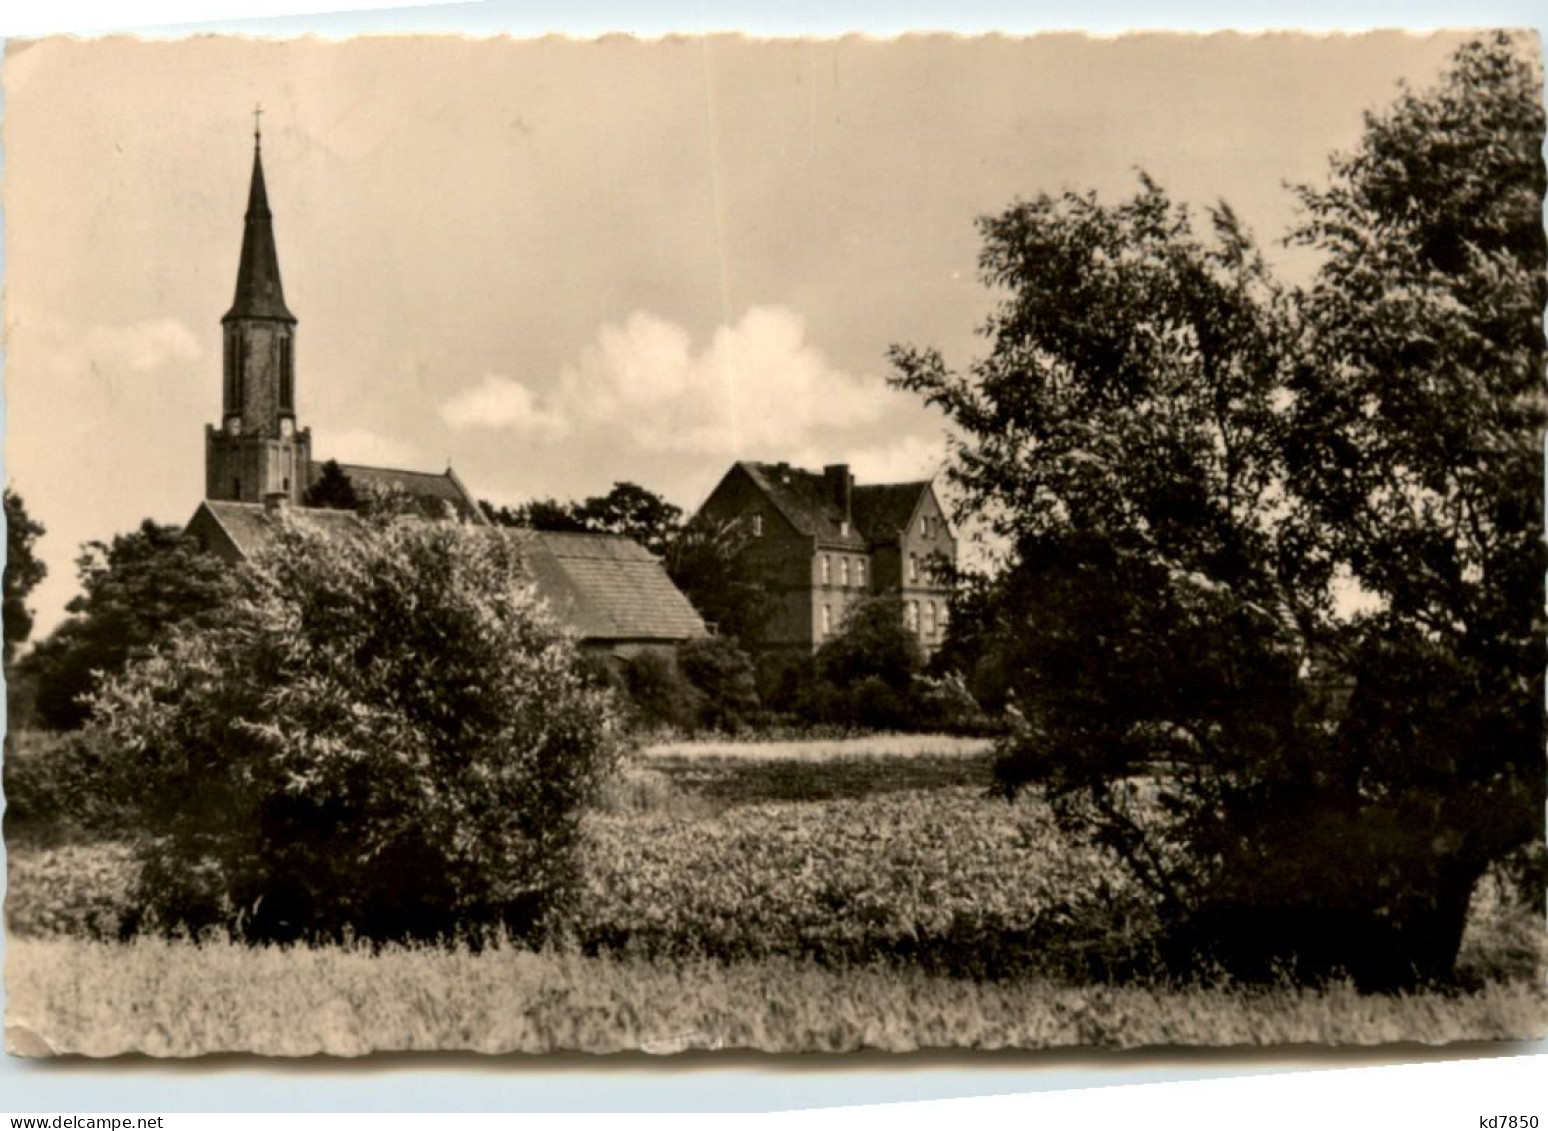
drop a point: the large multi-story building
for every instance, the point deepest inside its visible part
(821, 543)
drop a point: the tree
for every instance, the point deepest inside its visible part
(23, 571)
(333, 490)
(627, 509)
(1415, 449)
(1186, 460)
(135, 590)
(633, 511)
(705, 561)
(383, 734)
(872, 640)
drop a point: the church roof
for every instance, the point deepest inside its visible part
(432, 492)
(258, 290)
(606, 588)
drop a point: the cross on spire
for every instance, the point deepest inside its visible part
(258, 124)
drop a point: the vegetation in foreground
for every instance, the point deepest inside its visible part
(172, 998)
(720, 912)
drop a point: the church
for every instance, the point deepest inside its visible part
(258, 466)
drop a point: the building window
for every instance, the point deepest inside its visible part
(757, 525)
(287, 377)
(860, 572)
(844, 572)
(827, 570)
(236, 488)
(844, 529)
(913, 567)
(911, 616)
(930, 619)
(827, 619)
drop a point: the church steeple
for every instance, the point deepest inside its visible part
(258, 290)
(257, 451)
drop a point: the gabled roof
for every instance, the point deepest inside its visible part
(258, 290)
(603, 587)
(878, 512)
(805, 499)
(607, 587)
(432, 493)
(884, 510)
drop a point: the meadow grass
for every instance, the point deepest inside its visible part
(716, 879)
(164, 998)
(888, 746)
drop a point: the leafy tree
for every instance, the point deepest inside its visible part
(334, 490)
(383, 734)
(23, 571)
(627, 509)
(705, 561)
(1415, 450)
(724, 674)
(135, 590)
(633, 511)
(1187, 461)
(872, 643)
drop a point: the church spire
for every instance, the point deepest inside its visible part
(258, 290)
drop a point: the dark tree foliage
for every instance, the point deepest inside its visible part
(705, 561)
(1189, 462)
(383, 735)
(23, 571)
(134, 591)
(724, 675)
(333, 490)
(627, 509)
(872, 643)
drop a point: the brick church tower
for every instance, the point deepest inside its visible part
(257, 453)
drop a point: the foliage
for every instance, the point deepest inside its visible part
(135, 590)
(872, 642)
(1188, 463)
(383, 734)
(705, 560)
(660, 695)
(911, 877)
(333, 490)
(724, 675)
(57, 785)
(23, 571)
(626, 509)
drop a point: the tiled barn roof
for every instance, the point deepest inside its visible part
(605, 587)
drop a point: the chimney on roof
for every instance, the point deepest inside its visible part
(841, 488)
(782, 470)
(276, 502)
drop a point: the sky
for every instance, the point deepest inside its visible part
(556, 264)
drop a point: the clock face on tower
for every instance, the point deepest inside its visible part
(234, 426)
(287, 426)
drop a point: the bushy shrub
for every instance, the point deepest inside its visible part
(660, 695)
(724, 675)
(57, 786)
(384, 735)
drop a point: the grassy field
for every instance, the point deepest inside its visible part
(176, 999)
(769, 896)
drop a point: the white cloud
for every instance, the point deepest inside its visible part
(910, 457)
(754, 388)
(499, 402)
(361, 445)
(139, 347)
